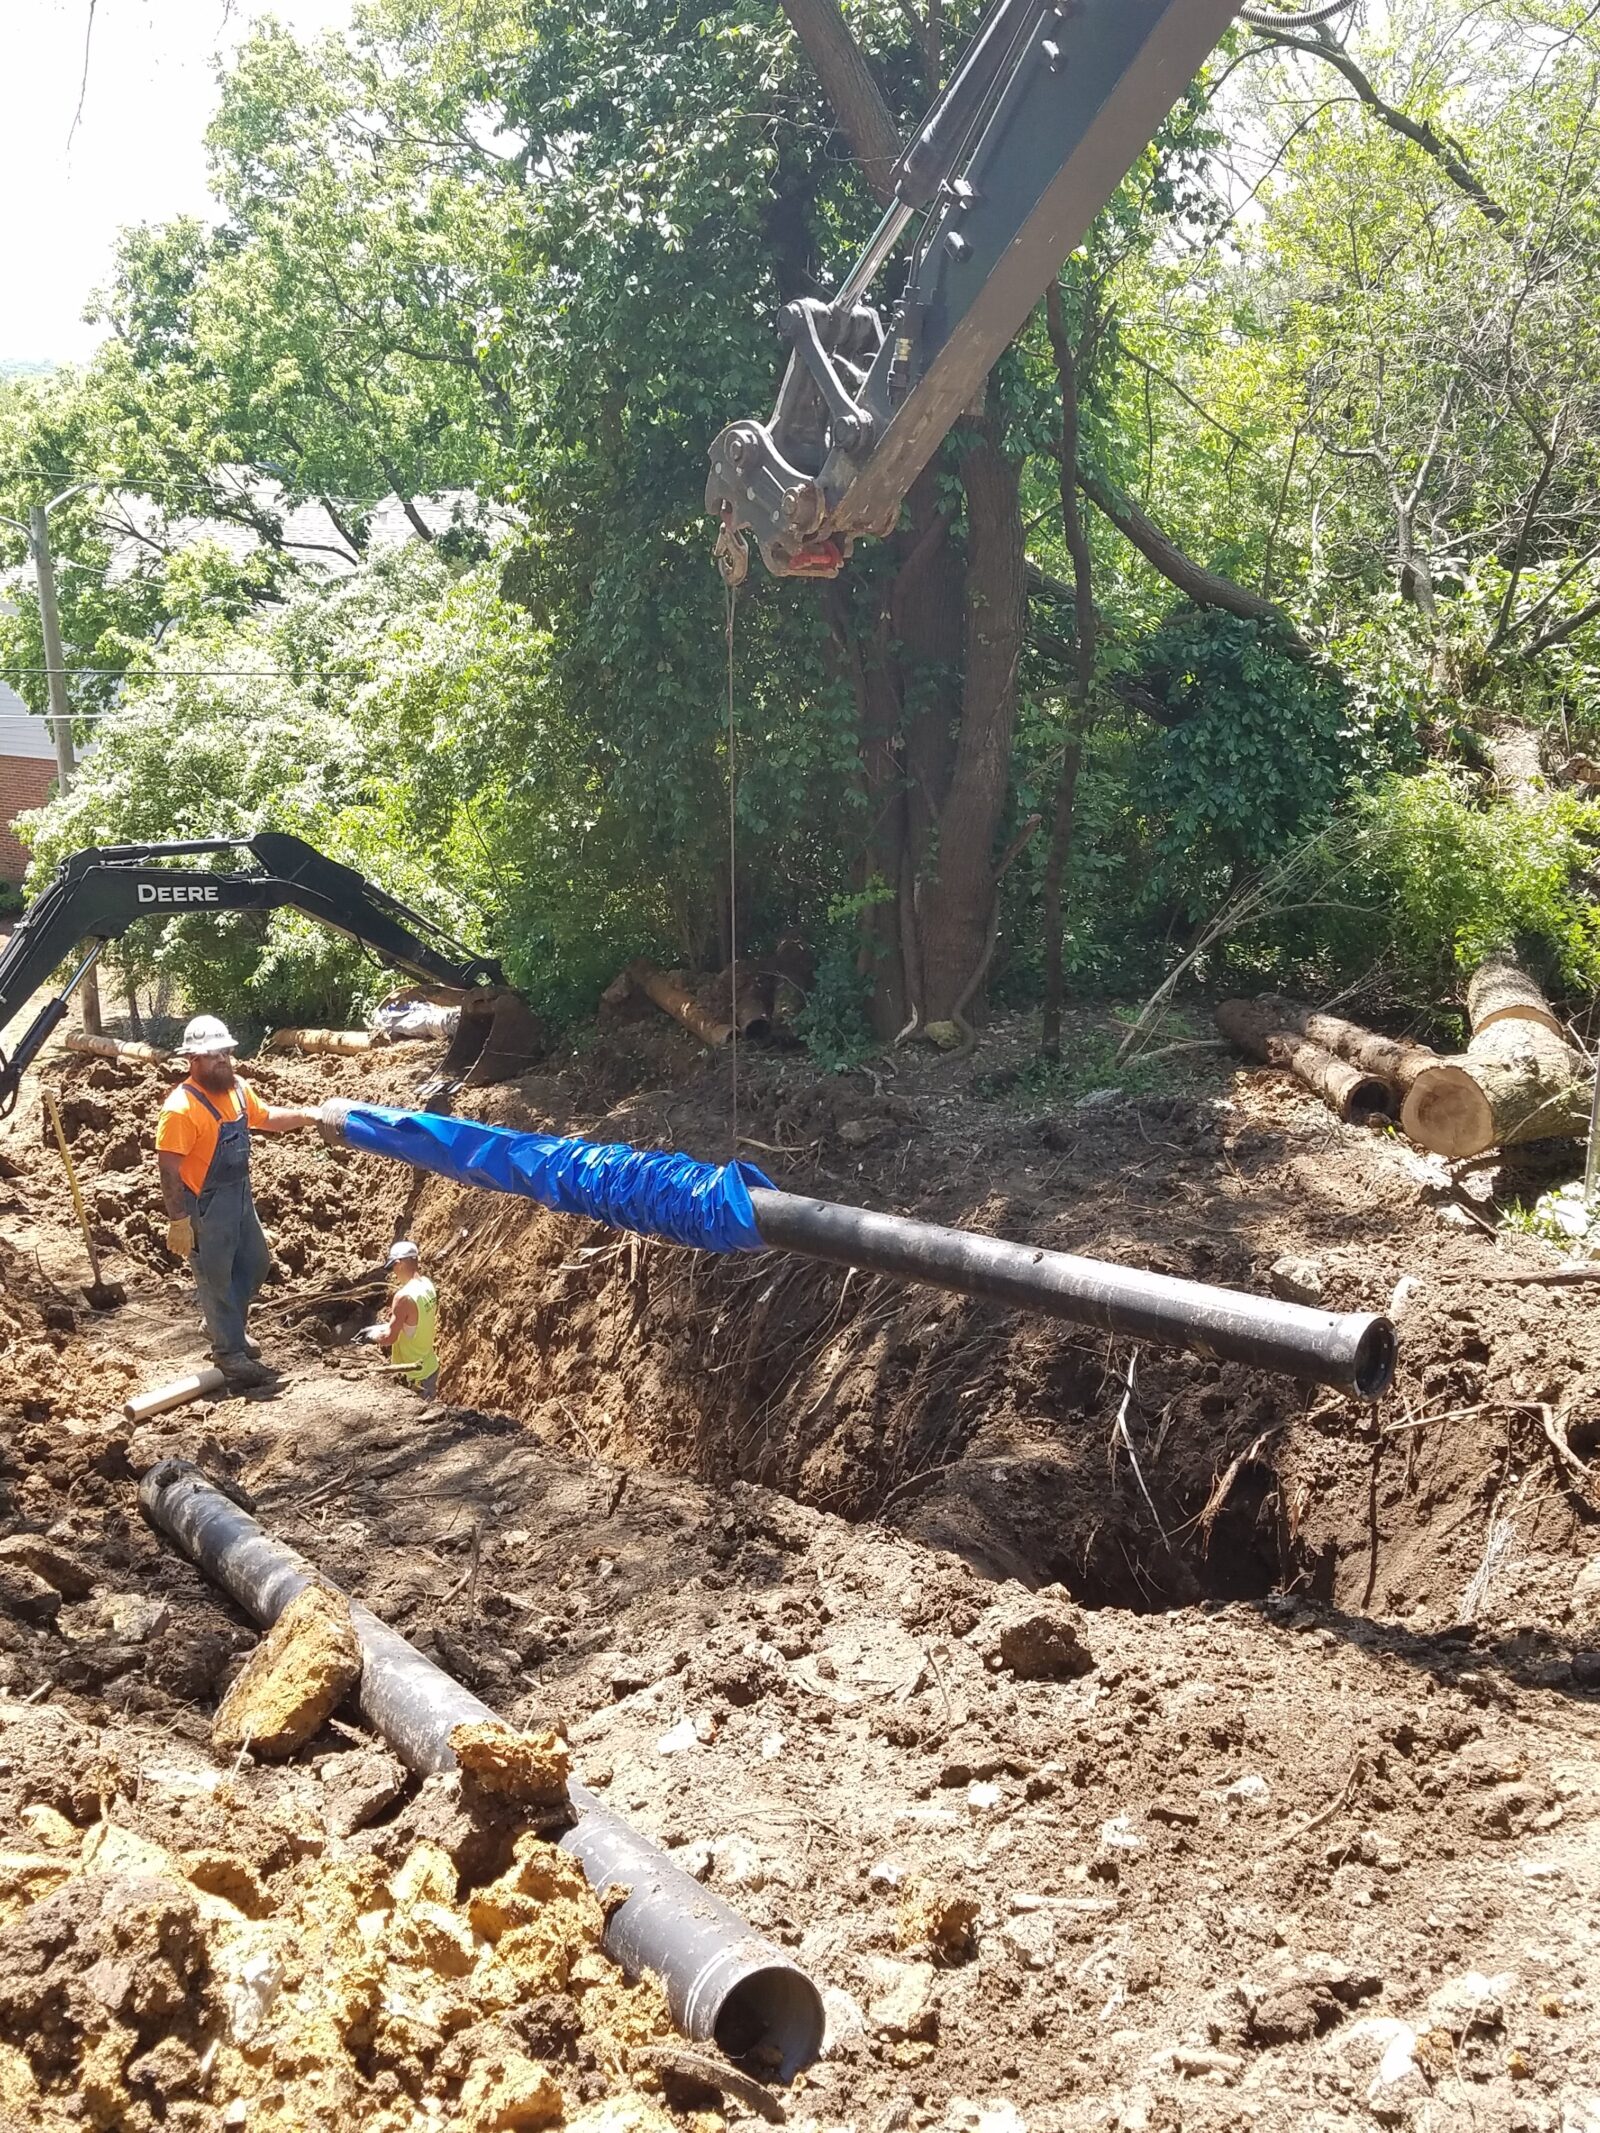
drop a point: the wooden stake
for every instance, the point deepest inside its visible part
(178, 1393)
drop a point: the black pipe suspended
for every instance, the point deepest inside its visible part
(1353, 1350)
(725, 1984)
(730, 1207)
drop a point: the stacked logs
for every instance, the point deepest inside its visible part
(1518, 1079)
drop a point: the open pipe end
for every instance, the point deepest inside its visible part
(1372, 1371)
(777, 2012)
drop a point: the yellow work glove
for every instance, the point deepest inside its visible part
(180, 1237)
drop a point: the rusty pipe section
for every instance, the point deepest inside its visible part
(725, 1984)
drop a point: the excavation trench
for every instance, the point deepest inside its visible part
(1138, 1477)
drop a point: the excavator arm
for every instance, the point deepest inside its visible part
(98, 894)
(1047, 111)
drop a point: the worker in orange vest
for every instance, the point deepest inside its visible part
(203, 1152)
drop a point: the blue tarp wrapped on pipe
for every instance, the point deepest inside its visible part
(671, 1196)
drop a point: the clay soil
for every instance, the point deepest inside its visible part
(1121, 1739)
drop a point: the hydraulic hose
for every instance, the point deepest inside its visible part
(1301, 18)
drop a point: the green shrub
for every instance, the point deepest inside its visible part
(1425, 879)
(1460, 881)
(1260, 748)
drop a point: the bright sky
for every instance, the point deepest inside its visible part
(138, 155)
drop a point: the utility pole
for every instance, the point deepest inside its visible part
(60, 711)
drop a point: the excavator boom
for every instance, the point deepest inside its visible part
(98, 894)
(1046, 113)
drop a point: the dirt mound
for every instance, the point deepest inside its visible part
(130, 1984)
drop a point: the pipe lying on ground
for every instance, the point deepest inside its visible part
(198, 1385)
(326, 1040)
(724, 1983)
(733, 1207)
(672, 996)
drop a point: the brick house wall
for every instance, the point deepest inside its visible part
(25, 781)
(27, 775)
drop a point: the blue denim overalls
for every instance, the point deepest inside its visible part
(231, 1258)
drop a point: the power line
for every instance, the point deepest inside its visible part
(161, 673)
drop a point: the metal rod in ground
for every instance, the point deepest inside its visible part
(724, 1983)
(1354, 1350)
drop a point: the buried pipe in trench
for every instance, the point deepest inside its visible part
(733, 1207)
(725, 1984)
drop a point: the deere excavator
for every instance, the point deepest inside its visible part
(98, 894)
(1046, 112)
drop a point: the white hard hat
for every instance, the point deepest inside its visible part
(206, 1034)
(402, 1248)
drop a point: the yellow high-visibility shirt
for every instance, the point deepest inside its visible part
(413, 1346)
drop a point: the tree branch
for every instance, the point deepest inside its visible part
(851, 88)
(1207, 588)
(1421, 135)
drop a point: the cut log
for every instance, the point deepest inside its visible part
(325, 1040)
(673, 998)
(1501, 991)
(115, 1048)
(1348, 1090)
(1518, 1079)
(1398, 1060)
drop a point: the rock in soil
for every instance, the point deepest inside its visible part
(294, 1681)
(1584, 1615)
(1297, 1281)
(1037, 1636)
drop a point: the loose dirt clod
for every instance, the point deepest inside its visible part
(1037, 1636)
(935, 1916)
(505, 2098)
(530, 1769)
(295, 1679)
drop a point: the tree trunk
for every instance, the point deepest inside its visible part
(1392, 1059)
(935, 781)
(1064, 808)
(1355, 1095)
(1517, 1080)
(957, 902)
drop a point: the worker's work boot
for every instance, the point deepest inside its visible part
(249, 1347)
(242, 1370)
